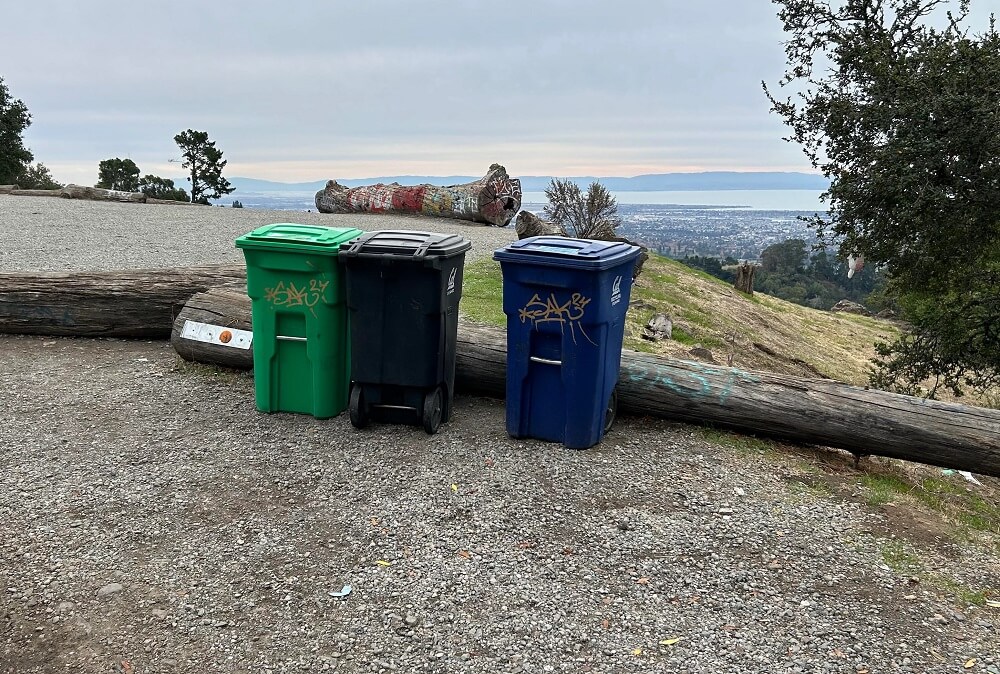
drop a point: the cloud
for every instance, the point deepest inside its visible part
(349, 89)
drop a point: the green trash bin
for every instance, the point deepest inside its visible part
(301, 346)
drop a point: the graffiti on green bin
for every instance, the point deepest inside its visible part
(567, 313)
(291, 295)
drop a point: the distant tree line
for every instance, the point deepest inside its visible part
(123, 175)
(201, 158)
(788, 271)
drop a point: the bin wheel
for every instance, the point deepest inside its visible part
(358, 407)
(433, 409)
(612, 411)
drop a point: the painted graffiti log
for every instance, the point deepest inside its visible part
(494, 199)
(100, 194)
(209, 328)
(133, 303)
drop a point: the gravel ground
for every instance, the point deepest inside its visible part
(151, 520)
(48, 234)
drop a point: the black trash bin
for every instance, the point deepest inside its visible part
(403, 289)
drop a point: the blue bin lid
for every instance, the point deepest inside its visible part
(560, 251)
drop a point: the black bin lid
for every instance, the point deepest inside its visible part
(406, 243)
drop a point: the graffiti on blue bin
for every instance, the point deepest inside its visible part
(567, 313)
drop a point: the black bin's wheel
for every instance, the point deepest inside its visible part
(358, 407)
(433, 409)
(612, 411)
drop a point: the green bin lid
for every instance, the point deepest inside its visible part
(293, 236)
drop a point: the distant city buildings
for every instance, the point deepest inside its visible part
(679, 231)
(671, 230)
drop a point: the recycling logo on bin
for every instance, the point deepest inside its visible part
(552, 310)
(451, 280)
(616, 291)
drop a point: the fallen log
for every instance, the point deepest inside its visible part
(493, 199)
(208, 327)
(528, 224)
(170, 202)
(809, 411)
(7, 189)
(101, 194)
(34, 193)
(133, 303)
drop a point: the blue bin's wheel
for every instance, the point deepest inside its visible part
(612, 411)
(433, 409)
(358, 407)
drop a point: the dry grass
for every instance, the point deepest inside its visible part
(756, 332)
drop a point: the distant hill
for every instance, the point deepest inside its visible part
(711, 180)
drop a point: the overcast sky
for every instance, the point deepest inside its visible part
(358, 88)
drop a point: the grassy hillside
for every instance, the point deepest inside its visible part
(754, 333)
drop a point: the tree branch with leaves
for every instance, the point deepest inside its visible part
(903, 119)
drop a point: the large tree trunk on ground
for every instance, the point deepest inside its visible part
(100, 194)
(133, 303)
(7, 189)
(812, 411)
(494, 199)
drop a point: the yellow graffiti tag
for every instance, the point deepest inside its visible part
(291, 295)
(551, 310)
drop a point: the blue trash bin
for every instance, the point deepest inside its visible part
(565, 301)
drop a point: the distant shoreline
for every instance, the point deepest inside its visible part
(709, 181)
(799, 200)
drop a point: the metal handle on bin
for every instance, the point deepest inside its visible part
(421, 251)
(546, 361)
(289, 338)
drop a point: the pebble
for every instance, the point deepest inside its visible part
(110, 588)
